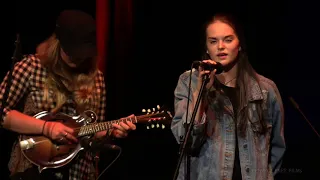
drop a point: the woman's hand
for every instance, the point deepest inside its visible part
(203, 72)
(59, 132)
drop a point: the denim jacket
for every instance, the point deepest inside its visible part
(260, 156)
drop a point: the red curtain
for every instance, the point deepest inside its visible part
(115, 50)
(121, 24)
(102, 18)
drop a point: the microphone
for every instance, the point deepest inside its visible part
(95, 144)
(208, 66)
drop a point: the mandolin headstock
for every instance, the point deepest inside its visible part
(155, 118)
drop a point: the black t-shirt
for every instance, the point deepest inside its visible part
(233, 94)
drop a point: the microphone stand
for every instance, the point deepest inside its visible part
(303, 115)
(186, 144)
(15, 58)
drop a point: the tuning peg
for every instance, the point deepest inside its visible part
(152, 126)
(149, 110)
(143, 110)
(163, 126)
(148, 127)
(158, 107)
(158, 125)
(154, 109)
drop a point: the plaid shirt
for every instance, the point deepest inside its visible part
(28, 78)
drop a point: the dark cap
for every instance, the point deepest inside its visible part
(76, 31)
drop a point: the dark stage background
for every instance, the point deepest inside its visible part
(150, 43)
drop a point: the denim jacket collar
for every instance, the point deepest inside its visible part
(254, 90)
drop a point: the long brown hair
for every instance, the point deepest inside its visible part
(244, 72)
(66, 82)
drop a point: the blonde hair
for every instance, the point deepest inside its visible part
(65, 84)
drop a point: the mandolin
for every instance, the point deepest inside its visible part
(46, 153)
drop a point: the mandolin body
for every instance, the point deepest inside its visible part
(45, 153)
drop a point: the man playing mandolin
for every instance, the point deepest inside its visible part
(61, 78)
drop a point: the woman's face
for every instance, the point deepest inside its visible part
(222, 43)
